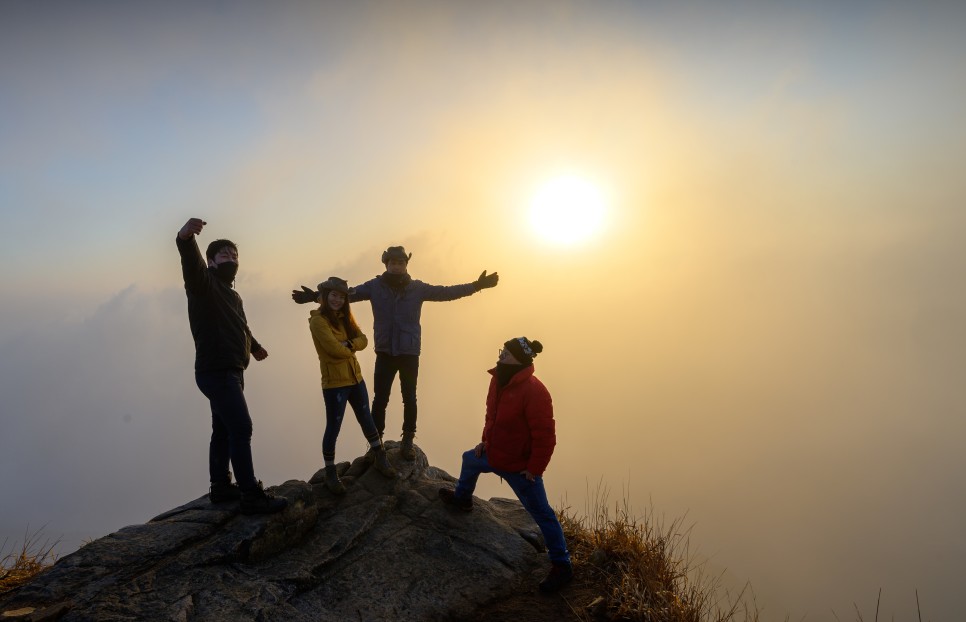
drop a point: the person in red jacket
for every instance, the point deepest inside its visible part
(517, 443)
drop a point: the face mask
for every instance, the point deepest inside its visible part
(226, 271)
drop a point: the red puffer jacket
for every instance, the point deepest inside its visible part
(519, 432)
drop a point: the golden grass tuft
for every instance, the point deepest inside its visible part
(643, 569)
(19, 567)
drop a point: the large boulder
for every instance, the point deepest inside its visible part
(387, 550)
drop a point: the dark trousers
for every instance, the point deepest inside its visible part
(387, 366)
(336, 400)
(231, 427)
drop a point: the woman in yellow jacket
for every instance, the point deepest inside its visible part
(337, 338)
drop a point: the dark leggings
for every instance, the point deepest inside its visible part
(336, 399)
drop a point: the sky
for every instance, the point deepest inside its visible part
(764, 339)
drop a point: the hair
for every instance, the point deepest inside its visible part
(217, 245)
(347, 320)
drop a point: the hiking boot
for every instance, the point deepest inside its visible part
(332, 481)
(257, 501)
(381, 462)
(406, 447)
(449, 498)
(560, 575)
(223, 492)
(371, 453)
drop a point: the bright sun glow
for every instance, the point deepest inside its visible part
(567, 210)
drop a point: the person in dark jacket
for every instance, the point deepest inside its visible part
(397, 301)
(517, 442)
(223, 347)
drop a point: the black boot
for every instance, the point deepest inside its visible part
(332, 481)
(381, 462)
(560, 575)
(449, 498)
(223, 492)
(257, 501)
(371, 453)
(406, 447)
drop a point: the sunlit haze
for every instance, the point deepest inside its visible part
(566, 210)
(764, 335)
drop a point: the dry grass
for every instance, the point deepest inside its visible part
(20, 567)
(643, 568)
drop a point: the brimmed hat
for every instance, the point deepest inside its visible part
(395, 252)
(335, 284)
(523, 349)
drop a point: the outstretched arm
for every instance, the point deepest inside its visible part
(486, 281)
(445, 293)
(305, 295)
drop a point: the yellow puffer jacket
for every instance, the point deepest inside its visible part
(338, 364)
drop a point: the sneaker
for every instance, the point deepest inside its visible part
(560, 575)
(257, 501)
(223, 492)
(406, 447)
(449, 498)
(381, 462)
(332, 481)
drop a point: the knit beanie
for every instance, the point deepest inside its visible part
(523, 349)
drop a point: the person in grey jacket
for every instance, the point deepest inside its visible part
(397, 300)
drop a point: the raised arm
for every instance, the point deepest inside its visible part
(194, 269)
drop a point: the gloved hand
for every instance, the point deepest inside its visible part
(304, 296)
(487, 280)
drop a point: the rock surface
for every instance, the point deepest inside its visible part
(387, 550)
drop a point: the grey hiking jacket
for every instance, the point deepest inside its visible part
(395, 313)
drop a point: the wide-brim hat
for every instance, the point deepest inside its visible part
(334, 283)
(395, 252)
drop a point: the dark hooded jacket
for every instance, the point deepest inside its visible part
(223, 340)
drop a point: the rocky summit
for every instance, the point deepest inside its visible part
(386, 550)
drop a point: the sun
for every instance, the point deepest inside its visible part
(567, 210)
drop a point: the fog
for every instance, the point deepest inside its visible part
(805, 428)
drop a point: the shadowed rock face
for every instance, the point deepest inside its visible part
(387, 550)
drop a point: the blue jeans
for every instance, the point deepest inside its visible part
(231, 427)
(387, 366)
(532, 495)
(336, 399)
